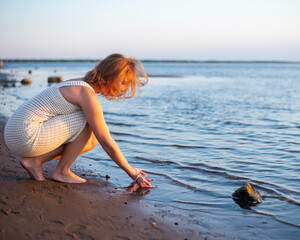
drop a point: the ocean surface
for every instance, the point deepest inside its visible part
(200, 135)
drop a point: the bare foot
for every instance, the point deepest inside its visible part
(33, 169)
(69, 177)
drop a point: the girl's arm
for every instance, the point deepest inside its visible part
(92, 109)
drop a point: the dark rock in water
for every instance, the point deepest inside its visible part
(29, 71)
(26, 81)
(247, 195)
(7, 80)
(55, 79)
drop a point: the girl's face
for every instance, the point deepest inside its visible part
(119, 85)
(114, 86)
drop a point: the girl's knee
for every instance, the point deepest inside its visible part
(93, 141)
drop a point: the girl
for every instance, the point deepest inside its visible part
(66, 120)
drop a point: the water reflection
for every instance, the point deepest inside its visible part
(136, 190)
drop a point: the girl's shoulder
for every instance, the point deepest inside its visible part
(75, 82)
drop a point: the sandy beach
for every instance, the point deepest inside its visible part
(95, 210)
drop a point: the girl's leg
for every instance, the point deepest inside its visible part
(33, 164)
(84, 142)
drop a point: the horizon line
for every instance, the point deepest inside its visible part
(145, 60)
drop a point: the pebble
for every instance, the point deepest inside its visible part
(26, 81)
(55, 79)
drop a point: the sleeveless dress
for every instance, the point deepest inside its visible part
(44, 122)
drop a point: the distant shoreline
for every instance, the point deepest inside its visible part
(153, 61)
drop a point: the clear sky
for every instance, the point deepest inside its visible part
(151, 29)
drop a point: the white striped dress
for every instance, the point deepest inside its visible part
(44, 122)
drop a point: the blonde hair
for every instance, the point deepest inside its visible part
(115, 66)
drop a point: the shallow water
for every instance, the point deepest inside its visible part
(200, 137)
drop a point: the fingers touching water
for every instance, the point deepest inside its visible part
(141, 179)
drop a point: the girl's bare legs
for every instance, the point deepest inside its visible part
(33, 164)
(69, 152)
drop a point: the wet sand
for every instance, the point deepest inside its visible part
(95, 210)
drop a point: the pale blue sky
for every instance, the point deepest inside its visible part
(152, 29)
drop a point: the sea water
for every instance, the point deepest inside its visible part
(200, 135)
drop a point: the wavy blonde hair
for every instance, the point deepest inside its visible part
(113, 67)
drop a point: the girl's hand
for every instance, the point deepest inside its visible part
(141, 179)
